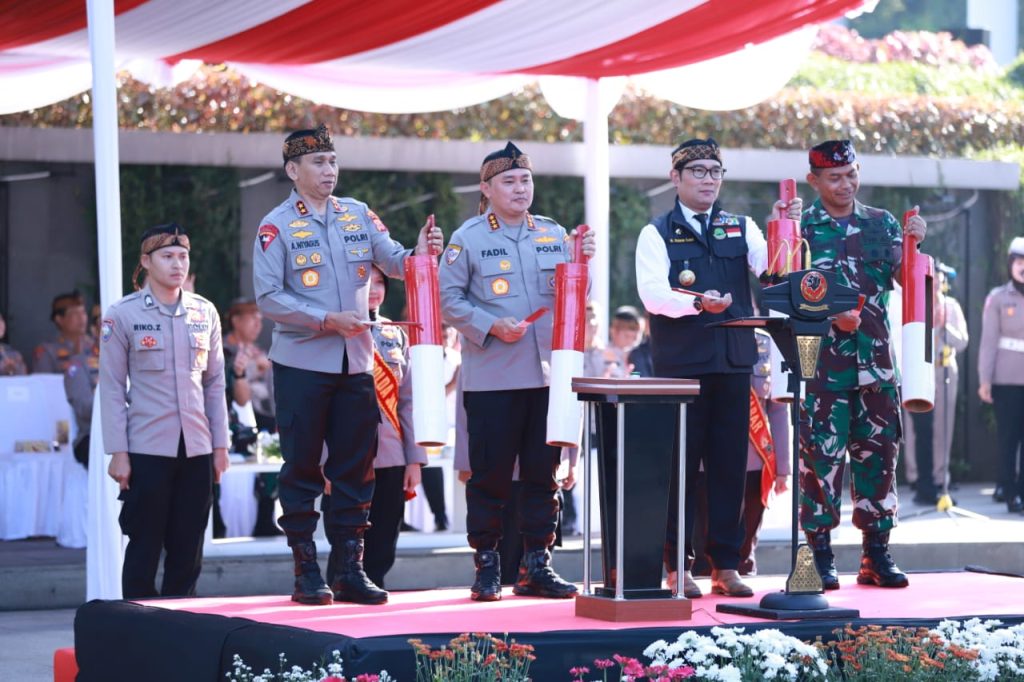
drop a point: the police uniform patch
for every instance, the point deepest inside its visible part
(315, 258)
(718, 233)
(301, 234)
(148, 342)
(359, 252)
(381, 227)
(310, 278)
(300, 208)
(106, 329)
(298, 223)
(387, 332)
(451, 254)
(551, 282)
(335, 204)
(267, 234)
(346, 218)
(361, 272)
(147, 300)
(545, 240)
(351, 228)
(505, 265)
(733, 232)
(300, 259)
(492, 220)
(201, 354)
(500, 286)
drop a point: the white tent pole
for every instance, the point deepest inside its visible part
(596, 188)
(103, 552)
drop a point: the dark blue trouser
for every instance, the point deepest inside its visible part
(341, 410)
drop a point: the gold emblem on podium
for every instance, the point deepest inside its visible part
(804, 579)
(807, 347)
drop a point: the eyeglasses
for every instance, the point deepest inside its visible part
(701, 172)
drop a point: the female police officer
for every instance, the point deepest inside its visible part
(163, 428)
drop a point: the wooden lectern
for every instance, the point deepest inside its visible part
(641, 428)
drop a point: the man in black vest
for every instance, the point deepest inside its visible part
(698, 246)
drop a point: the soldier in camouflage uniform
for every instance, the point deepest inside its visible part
(853, 403)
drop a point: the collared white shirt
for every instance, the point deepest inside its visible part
(653, 264)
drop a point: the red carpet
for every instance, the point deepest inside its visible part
(930, 596)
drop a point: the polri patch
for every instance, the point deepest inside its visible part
(381, 227)
(310, 278)
(106, 329)
(451, 254)
(267, 234)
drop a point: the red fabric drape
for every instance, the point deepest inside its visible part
(23, 22)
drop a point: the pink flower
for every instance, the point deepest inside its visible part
(333, 678)
(681, 672)
(366, 677)
(603, 663)
(630, 666)
(579, 671)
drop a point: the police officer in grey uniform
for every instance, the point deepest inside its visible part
(68, 314)
(500, 267)
(311, 271)
(399, 459)
(80, 379)
(164, 417)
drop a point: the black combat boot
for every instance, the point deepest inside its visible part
(876, 566)
(824, 559)
(540, 580)
(350, 582)
(487, 586)
(310, 587)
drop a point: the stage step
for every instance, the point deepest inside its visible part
(36, 574)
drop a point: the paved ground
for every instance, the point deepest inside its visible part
(29, 638)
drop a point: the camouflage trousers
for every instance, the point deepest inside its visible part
(865, 423)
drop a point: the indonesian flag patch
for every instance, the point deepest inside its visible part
(267, 234)
(733, 232)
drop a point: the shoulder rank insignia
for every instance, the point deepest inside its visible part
(300, 208)
(492, 220)
(530, 224)
(335, 204)
(298, 223)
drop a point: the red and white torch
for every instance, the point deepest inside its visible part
(426, 349)
(784, 243)
(564, 411)
(918, 368)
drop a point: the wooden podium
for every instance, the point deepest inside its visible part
(641, 426)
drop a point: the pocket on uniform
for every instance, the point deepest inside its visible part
(546, 264)
(360, 260)
(149, 351)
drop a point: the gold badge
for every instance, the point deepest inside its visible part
(315, 258)
(545, 240)
(687, 278)
(301, 234)
(505, 265)
(361, 272)
(300, 259)
(351, 228)
(298, 223)
(310, 278)
(500, 286)
(346, 218)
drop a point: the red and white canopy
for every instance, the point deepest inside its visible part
(401, 55)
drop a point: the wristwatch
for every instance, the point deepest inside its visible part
(698, 305)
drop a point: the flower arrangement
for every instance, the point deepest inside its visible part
(473, 658)
(267, 446)
(325, 672)
(954, 650)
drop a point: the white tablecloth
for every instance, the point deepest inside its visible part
(238, 499)
(43, 494)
